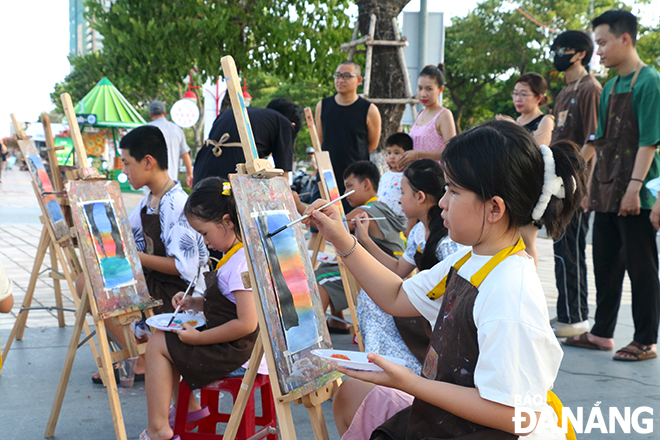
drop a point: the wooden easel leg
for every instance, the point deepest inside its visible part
(111, 386)
(56, 286)
(44, 242)
(244, 393)
(66, 370)
(71, 268)
(313, 401)
(318, 422)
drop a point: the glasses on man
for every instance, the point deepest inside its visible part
(520, 95)
(346, 76)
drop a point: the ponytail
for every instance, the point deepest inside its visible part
(570, 166)
(437, 231)
(426, 175)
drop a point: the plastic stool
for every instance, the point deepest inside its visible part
(210, 397)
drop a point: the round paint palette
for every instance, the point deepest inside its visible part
(160, 321)
(355, 360)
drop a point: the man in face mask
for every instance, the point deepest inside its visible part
(576, 113)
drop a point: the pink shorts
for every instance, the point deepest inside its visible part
(377, 407)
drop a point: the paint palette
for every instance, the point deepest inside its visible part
(355, 360)
(324, 258)
(160, 321)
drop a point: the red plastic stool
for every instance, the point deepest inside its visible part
(211, 396)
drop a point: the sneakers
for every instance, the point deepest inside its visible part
(563, 330)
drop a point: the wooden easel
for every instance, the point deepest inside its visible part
(369, 42)
(351, 287)
(122, 318)
(312, 399)
(62, 249)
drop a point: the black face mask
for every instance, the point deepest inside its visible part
(563, 62)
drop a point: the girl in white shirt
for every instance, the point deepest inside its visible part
(492, 345)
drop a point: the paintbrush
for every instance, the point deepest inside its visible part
(188, 290)
(369, 218)
(308, 215)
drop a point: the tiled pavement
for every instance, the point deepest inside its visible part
(20, 230)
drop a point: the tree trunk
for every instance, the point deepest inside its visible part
(386, 73)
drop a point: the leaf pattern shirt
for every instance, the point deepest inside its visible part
(181, 241)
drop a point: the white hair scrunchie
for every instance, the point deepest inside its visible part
(553, 185)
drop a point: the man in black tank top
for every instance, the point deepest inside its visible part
(348, 125)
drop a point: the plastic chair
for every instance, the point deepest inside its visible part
(210, 396)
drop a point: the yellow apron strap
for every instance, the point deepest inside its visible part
(482, 273)
(440, 288)
(228, 255)
(556, 404)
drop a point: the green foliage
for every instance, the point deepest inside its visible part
(157, 44)
(303, 92)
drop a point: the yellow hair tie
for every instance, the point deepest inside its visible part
(226, 188)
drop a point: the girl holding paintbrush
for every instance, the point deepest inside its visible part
(492, 343)
(209, 353)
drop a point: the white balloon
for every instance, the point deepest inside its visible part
(185, 113)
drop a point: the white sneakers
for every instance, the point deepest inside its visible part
(563, 330)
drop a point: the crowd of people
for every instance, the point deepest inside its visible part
(448, 272)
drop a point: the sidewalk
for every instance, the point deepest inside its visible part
(29, 378)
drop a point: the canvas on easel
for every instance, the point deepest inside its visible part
(291, 321)
(114, 285)
(330, 191)
(55, 235)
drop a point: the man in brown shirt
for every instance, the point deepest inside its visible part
(576, 116)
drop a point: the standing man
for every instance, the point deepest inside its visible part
(576, 113)
(626, 152)
(176, 142)
(348, 125)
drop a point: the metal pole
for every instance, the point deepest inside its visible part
(423, 19)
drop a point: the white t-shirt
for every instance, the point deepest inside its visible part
(230, 281)
(389, 191)
(176, 144)
(518, 353)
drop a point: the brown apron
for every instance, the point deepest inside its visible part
(615, 151)
(160, 285)
(568, 119)
(450, 362)
(415, 332)
(201, 365)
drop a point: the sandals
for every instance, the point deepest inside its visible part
(145, 436)
(337, 330)
(193, 416)
(583, 342)
(638, 352)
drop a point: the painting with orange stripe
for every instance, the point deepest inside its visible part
(331, 183)
(109, 244)
(291, 287)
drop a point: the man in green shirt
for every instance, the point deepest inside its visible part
(626, 158)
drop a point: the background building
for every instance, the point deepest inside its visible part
(82, 38)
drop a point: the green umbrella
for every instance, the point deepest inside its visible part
(110, 107)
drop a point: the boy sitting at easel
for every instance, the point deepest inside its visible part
(170, 251)
(363, 177)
